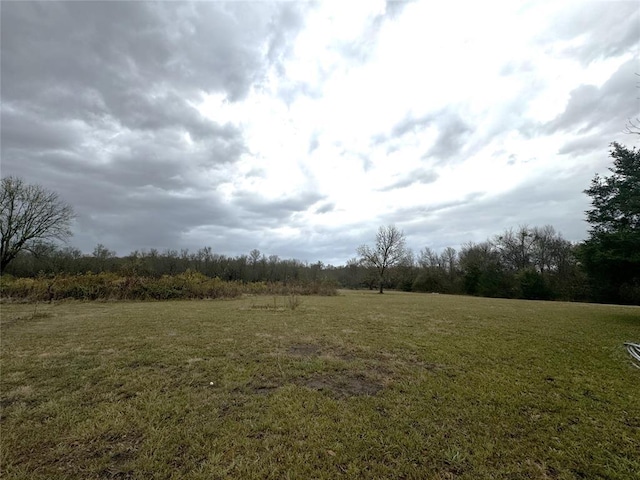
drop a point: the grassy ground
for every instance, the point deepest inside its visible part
(357, 386)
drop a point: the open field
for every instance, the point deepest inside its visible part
(359, 385)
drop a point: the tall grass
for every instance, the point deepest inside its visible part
(111, 286)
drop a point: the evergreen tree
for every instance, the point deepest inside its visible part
(611, 255)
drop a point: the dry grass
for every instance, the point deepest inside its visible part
(359, 385)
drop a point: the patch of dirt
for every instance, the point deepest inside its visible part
(433, 367)
(20, 395)
(264, 389)
(343, 385)
(304, 349)
(259, 386)
(120, 448)
(391, 359)
(347, 357)
(312, 350)
(338, 385)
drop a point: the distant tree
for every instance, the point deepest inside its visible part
(450, 260)
(405, 272)
(29, 216)
(103, 257)
(353, 274)
(428, 258)
(388, 252)
(254, 255)
(483, 272)
(429, 280)
(315, 270)
(204, 258)
(532, 285)
(545, 245)
(611, 255)
(516, 247)
(254, 258)
(435, 271)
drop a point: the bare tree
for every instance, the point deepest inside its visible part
(29, 215)
(427, 258)
(633, 124)
(516, 247)
(450, 260)
(388, 252)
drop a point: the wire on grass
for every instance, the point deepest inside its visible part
(634, 351)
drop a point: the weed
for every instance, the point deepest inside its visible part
(293, 301)
(111, 286)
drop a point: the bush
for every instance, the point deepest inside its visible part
(111, 286)
(532, 285)
(428, 282)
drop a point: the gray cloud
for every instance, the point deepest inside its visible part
(394, 8)
(411, 125)
(24, 130)
(97, 104)
(325, 207)
(478, 216)
(314, 143)
(361, 49)
(274, 212)
(157, 220)
(453, 132)
(583, 145)
(137, 61)
(605, 29)
(421, 176)
(605, 108)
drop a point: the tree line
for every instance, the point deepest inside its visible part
(526, 262)
(523, 262)
(533, 263)
(49, 259)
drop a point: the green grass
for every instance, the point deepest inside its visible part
(359, 385)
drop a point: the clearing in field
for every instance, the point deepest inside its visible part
(359, 385)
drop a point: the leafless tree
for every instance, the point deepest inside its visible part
(389, 251)
(450, 260)
(427, 258)
(29, 215)
(516, 247)
(633, 124)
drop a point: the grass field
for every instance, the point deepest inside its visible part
(357, 386)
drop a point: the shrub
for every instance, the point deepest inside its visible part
(111, 286)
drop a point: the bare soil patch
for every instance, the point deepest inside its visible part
(343, 385)
(313, 350)
(304, 349)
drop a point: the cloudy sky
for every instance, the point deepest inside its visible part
(299, 128)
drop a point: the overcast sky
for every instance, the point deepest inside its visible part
(299, 128)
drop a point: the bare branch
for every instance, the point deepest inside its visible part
(633, 126)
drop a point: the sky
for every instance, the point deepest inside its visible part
(298, 128)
